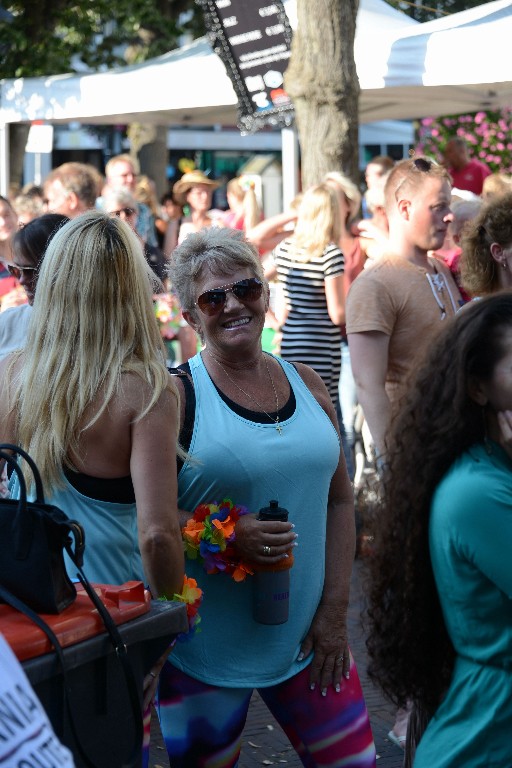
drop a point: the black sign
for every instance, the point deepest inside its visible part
(253, 39)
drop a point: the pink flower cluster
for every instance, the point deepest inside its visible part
(488, 134)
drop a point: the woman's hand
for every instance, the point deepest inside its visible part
(505, 425)
(327, 637)
(253, 535)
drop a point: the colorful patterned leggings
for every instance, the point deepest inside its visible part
(202, 724)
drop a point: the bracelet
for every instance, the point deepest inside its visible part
(192, 596)
(209, 536)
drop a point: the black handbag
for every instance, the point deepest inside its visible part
(33, 536)
(33, 580)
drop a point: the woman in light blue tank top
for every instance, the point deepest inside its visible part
(257, 428)
(90, 399)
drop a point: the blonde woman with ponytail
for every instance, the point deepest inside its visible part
(92, 402)
(244, 212)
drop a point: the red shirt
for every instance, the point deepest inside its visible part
(471, 177)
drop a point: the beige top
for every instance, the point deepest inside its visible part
(405, 302)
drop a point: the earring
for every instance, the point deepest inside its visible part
(504, 264)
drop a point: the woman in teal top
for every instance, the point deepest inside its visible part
(441, 588)
(255, 429)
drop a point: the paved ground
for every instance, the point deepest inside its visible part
(264, 741)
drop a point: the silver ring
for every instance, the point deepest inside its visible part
(340, 660)
(153, 675)
(266, 550)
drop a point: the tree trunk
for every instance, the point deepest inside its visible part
(153, 158)
(322, 82)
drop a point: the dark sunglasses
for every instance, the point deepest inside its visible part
(126, 211)
(212, 302)
(17, 272)
(421, 164)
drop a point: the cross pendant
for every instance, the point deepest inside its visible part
(279, 427)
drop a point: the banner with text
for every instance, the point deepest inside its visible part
(253, 40)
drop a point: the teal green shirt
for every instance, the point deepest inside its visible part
(471, 552)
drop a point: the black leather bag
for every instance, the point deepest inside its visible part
(34, 580)
(33, 536)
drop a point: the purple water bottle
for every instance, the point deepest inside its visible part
(271, 589)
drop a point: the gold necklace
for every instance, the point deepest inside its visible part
(276, 420)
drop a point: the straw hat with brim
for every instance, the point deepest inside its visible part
(189, 180)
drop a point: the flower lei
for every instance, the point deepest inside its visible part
(192, 596)
(209, 535)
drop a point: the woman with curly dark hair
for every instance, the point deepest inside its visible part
(441, 579)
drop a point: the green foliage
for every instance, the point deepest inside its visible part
(488, 135)
(48, 37)
(426, 10)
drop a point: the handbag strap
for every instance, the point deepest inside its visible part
(121, 653)
(20, 606)
(37, 477)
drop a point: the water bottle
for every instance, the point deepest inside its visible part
(271, 589)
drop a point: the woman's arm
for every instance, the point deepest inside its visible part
(327, 636)
(154, 476)
(335, 296)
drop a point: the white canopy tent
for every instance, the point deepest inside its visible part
(453, 65)
(184, 87)
(406, 70)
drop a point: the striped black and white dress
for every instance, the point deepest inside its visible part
(309, 336)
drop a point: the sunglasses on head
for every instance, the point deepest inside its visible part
(212, 302)
(17, 272)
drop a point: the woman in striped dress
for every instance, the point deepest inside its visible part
(310, 266)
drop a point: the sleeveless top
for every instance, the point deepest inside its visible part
(112, 553)
(251, 463)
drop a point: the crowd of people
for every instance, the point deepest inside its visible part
(397, 302)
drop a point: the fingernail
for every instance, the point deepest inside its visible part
(293, 525)
(324, 691)
(300, 657)
(295, 544)
(312, 687)
(295, 535)
(338, 688)
(347, 675)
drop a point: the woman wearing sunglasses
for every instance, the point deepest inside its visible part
(28, 249)
(256, 429)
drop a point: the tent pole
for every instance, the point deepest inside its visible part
(4, 159)
(290, 155)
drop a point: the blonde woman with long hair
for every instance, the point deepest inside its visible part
(310, 266)
(91, 400)
(244, 211)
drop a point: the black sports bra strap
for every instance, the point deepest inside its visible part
(185, 437)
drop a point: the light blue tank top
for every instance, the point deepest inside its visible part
(252, 463)
(112, 553)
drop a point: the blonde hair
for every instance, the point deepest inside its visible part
(495, 185)
(243, 189)
(93, 320)
(145, 192)
(318, 222)
(347, 187)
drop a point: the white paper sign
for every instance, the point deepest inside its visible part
(40, 139)
(27, 739)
